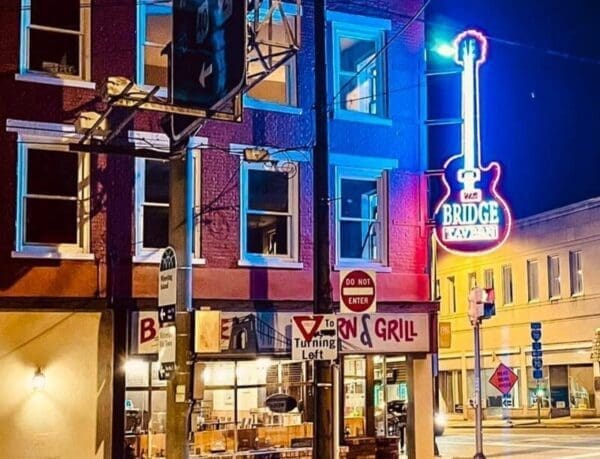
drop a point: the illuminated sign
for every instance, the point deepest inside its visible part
(471, 218)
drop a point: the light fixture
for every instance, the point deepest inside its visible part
(445, 50)
(39, 380)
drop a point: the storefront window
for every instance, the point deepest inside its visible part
(537, 387)
(355, 386)
(581, 386)
(450, 383)
(145, 409)
(251, 405)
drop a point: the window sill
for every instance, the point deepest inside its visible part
(256, 104)
(577, 295)
(261, 262)
(56, 81)
(52, 255)
(377, 267)
(359, 117)
(162, 92)
(555, 298)
(154, 258)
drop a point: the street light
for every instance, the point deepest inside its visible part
(445, 50)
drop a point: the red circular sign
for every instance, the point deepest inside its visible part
(357, 291)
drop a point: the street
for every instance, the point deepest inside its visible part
(567, 443)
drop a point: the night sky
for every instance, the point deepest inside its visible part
(540, 95)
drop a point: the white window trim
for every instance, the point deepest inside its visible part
(160, 141)
(84, 77)
(504, 286)
(362, 28)
(580, 293)
(550, 279)
(52, 137)
(380, 176)
(269, 261)
(528, 264)
(140, 40)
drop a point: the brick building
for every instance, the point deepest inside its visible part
(82, 233)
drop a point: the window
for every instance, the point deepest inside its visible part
(152, 200)
(269, 220)
(553, 276)
(361, 210)
(359, 67)
(488, 278)
(576, 272)
(472, 280)
(533, 292)
(274, 36)
(154, 32)
(53, 208)
(507, 286)
(55, 38)
(451, 295)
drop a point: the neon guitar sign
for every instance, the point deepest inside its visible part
(472, 218)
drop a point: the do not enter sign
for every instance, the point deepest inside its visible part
(357, 291)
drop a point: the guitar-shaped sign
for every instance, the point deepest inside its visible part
(471, 218)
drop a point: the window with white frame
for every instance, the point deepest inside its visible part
(53, 199)
(533, 283)
(507, 285)
(361, 211)
(553, 276)
(154, 32)
(279, 87)
(55, 37)
(451, 294)
(576, 272)
(269, 213)
(359, 67)
(472, 280)
(488, 278)
(152, 206)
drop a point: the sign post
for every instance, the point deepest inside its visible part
(537, 364)
(167, 297)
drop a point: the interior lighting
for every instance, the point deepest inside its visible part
(39, 380)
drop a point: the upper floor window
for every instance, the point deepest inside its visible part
(488, 278)
(451, 294)
(279, 87)
(359, 66)
(507, 285)
(53, 199)
(269, 214)
(533, 290)
(56, 38)
(576, 271)
(361, 227)
(472, 280)
(152, 203)
(154, 33)
(554, 276)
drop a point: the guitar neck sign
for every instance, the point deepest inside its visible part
(472, 217)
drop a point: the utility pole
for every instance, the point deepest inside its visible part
(179, 387)
(323, 419)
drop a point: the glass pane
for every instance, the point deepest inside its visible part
(53, 52)
(354, 394)
(63, 14)
(355, 53)
(158, 24)
(156, 382)
(155, 68)
(219, 374)
(267, 191)
(50, 221)
(539, 388)
(273, 88)
(136, 373)
(267, 234)
(156, 227)
(359, 240)
(581, 386)
(156, 182)
(256, 371)
(216, 425)
(63, 179)
(359, 199)
(359, 90)
(137, 411)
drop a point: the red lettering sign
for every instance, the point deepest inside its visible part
(147, 330)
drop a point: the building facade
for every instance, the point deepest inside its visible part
(545, 273)
(82, 233)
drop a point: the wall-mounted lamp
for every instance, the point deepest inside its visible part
(39, 380)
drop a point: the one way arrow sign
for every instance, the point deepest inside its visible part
(166, 314)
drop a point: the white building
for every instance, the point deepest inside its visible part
(548, 272)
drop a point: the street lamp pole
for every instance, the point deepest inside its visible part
(478, 410)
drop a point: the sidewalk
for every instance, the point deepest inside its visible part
(564, 422)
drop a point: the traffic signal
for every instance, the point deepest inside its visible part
(481, 304)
